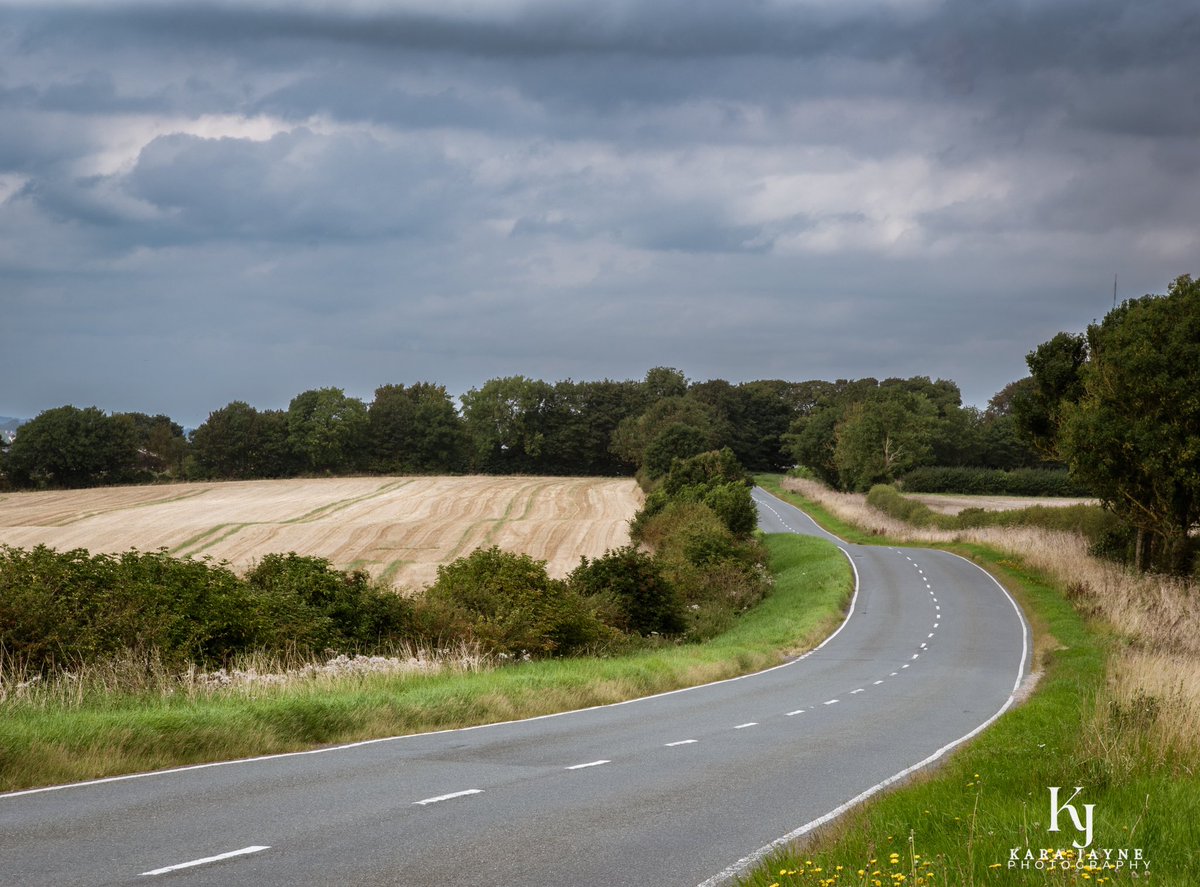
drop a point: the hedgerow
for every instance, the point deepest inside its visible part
(991, 482)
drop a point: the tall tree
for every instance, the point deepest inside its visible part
(162, 445)
(670, 427)
(883, 436)
(415, 429)
(327, 429)
(1133, 432)
(70, 447)
(229, 444)
(1056, 368)
(505, 423)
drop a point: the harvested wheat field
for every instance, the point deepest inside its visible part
(396, 528)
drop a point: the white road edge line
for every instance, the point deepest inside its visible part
(747, 862)
(588, 764)
(245, 851)
(681, 742)
(470, 791)
(557, 714)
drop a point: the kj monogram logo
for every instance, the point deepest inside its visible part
(1084, 825)
(1067, 811)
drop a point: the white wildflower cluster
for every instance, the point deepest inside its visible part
(339, 666)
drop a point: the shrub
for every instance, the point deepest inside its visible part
(710, 468)
(673, 442)
(888, 500)
(510, 605)
(315, 607)
(61, 608)
(644, 601)
(58, 609)
(733, 504)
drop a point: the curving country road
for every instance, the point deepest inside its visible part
(679, 789)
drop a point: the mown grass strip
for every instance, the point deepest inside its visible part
(125, 734)
(960, 823)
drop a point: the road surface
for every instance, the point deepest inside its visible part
(680, 789)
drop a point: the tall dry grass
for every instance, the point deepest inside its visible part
(1153, 689)
(142, 674)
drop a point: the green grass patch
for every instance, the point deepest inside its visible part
(959, 823)
(132, 733)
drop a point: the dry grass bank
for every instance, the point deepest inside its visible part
(1153, 689)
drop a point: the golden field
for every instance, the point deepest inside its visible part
(397, 528)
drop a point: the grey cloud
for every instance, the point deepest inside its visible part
(295, 186)
(576, 189)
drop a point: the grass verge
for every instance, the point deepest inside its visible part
(959, 824)
(44, 745)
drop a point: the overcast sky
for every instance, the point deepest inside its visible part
(211, 201)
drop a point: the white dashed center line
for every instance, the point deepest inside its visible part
(470, 791)
(245, 851)
(829, 702)
(798, 711)
(681, 742)
(588, 764)
(748, 724)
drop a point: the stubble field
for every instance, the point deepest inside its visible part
(397, 528)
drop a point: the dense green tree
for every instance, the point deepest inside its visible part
(663, 382)
(508, 604)
(712, 467)
(884, 436)
(228, 444)
(1001, 444)
(70, 447)
(505, 424)
(415, 429)
(577, 422)
(755, 416)
(632, 582)
(162, 445)
(328, 430)
(1129, 427)
(1056, 368)
(676, 441)
(634, 437)
(275, 456)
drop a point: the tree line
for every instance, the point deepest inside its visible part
(518, 425)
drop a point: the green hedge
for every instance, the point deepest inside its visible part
(992, 482)
(58, 609)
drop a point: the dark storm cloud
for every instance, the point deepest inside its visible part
(257, 197)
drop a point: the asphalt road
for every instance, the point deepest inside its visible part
(677, 789)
